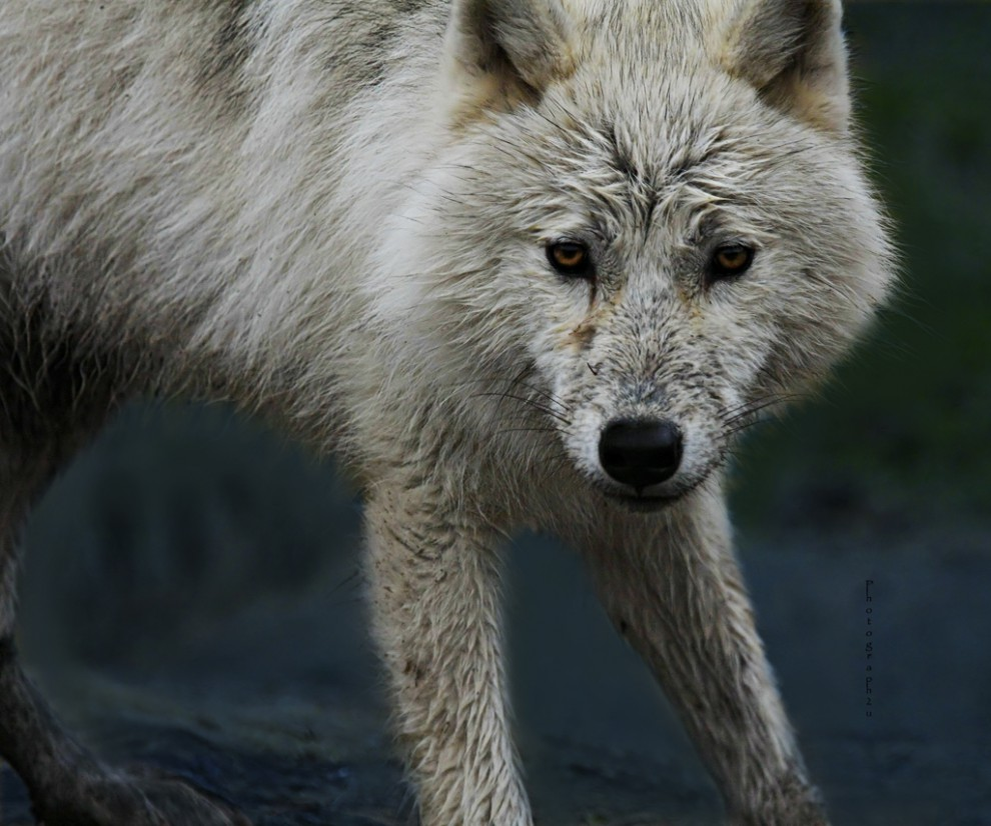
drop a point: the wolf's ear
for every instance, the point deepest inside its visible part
(793, 53)
(499, 52)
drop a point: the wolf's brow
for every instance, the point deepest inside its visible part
(646, 191)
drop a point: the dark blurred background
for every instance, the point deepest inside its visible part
(192, 599)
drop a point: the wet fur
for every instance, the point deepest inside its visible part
(334, 214)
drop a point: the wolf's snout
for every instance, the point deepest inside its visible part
(640, 452)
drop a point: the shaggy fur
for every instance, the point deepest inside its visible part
(336, 214)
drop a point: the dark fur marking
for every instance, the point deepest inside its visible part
(647, 196)
(623, 163)
(220, 74)
(653, 198)
(366, 50)
(52, 382)
(123, 78)
(620, 160)
(680, 171)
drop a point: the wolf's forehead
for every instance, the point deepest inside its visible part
(656, 148)
(640, 177)
(651, 143)
(629, 20)
(661, 114)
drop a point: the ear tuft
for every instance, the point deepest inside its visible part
(502, 51)
(793, 53)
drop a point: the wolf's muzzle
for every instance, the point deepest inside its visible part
(640, 452)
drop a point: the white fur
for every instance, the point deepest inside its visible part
(342, 223)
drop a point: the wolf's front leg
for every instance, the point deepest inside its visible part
(672, 586)
(436, 614)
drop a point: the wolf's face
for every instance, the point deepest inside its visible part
(656, 245)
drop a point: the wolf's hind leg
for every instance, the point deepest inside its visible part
(671, 585)
(67, 784)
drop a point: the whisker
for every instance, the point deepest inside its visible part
(733, 414)
(544, 393)
(532, 402)
(517, 381)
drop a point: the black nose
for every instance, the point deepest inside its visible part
(640, 452)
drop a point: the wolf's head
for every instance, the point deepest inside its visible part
(651, 215)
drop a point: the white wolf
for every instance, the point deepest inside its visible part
(519, 262)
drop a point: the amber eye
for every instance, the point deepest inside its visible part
(570, 258)
(731, 259)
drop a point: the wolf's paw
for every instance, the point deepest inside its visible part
(791, 802)
(142, 799)
(800, 813)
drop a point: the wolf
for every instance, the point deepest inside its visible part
(519, 264)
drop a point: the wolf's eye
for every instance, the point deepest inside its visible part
(729, 260)
(570, 258)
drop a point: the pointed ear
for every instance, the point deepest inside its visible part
(793, 53)
(500, 52)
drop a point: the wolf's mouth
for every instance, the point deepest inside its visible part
(641, 503)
